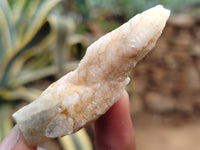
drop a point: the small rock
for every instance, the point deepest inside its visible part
(182, 20)
(196, 49)
(159, 102)
(196, 31)
(192, 78)
(183, 38)
(136, 104)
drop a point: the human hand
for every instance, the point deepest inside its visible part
(113, 130)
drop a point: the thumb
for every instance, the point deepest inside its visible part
(16, 141)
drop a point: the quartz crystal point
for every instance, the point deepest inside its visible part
(83, 95)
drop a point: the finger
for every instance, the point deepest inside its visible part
(114, 130)
(15, 141)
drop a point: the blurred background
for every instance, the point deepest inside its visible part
(42, 40)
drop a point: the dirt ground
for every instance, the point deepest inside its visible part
(158, 135)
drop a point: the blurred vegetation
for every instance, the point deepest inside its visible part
(110, 13)
(33, 40)
(43, 39)
(22, 28)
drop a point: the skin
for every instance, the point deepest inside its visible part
(113, 131)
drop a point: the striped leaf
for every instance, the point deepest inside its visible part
(21, 32)
(7, 34)
(5, 118)
(37, 39)
(34, 16)
(78, 141)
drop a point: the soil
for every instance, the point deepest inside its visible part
(165, 137)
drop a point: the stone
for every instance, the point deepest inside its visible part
(86, 93)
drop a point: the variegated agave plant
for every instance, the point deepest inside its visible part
(23, 28)
(26, 31)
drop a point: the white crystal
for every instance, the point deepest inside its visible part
(88, 92)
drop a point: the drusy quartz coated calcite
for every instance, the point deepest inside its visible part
(89, 91)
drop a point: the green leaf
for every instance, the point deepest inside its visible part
(31, 30)
(78, 141)
(30, 76)
(6, 121)
(41, 35)
(22, 93)
(7, 27)
(36, 20)
(64, 27)
(4, 41)
(83, 7)
(25, 12)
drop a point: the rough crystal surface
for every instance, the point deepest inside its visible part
(89, 91)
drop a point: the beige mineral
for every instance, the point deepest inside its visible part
(83, 95)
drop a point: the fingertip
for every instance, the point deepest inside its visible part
(125, 95)
(16, 141)
(124, 101)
